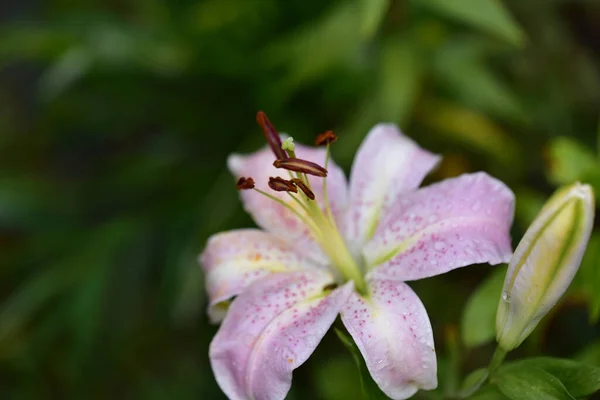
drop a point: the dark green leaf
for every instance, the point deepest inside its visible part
(590, 354)
(579, 379)
(488, 392)
(531, 384)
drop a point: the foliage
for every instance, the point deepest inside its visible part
(117, 118)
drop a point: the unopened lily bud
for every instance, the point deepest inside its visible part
(544, 263)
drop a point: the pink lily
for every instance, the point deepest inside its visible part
(348, 252)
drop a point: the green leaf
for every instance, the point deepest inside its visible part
(569, 161)
(460, 65)
(488, 15)
(488, 392)
(373, 12)
(531, 384)
(370, 389)
(478, 324)
(472, 129)
(590, 355)
(68, 69)
(473, 382)
(319, 46)
(579, 379)
(399, 79)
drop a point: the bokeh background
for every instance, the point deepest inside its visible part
(116, 118)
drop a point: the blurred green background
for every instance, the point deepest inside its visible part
(116, 118)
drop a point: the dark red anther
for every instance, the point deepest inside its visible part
(302, 186)
(279, 184)
(245, 183)
(271, 134)
(325, 138)
(299, 165)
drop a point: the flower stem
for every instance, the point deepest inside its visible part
(497, 359)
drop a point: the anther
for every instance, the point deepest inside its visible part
(299, 165)
(329, 287)
(271, 134)
(279, 184)
(325, 138)
(245, 183)
(302, 186)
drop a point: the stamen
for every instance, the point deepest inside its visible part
(325, 138)
(245, 183)
(302, 186)
(314, 228)
(271, 134)
(299, 165)
(279, 184)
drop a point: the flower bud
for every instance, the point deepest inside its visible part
(544, 263)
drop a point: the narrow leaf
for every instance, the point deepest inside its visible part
(488, 15)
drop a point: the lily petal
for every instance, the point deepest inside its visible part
(274, 217)
(233, 260)
(387, 165)
(270, 330)
(447, 225)
(392, 330)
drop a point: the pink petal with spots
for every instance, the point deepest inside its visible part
(387, 165)
(277, 219)
(270, 330)
(233, 260)
(392, 330)
(450, 224)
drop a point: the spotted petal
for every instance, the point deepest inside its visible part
(270, 330)
(450, 224)
(233, 260)
(392, 330)
(277, 219)
(387, 165)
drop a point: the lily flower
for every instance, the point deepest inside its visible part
(326, 247)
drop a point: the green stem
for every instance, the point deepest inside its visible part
(497, 359)
(454, 361)
(495, 362)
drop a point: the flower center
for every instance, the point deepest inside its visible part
(319, 220)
